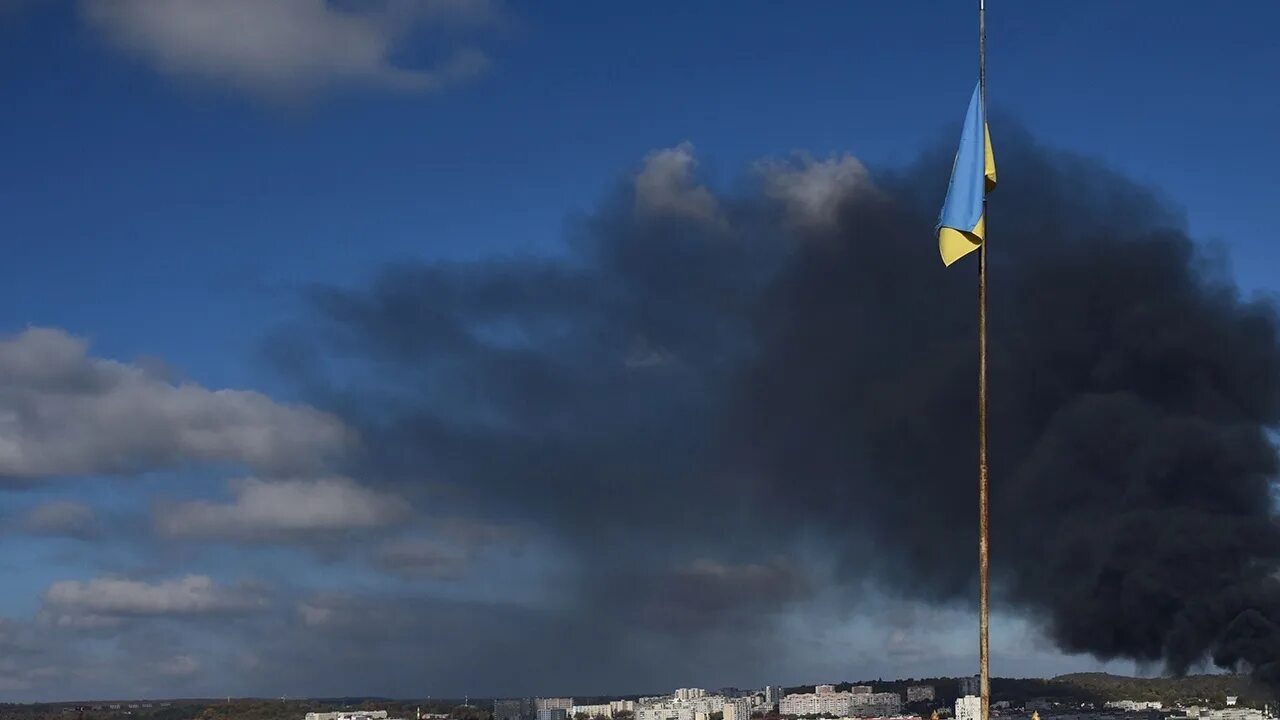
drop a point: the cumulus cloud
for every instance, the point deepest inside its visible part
(291, 48)
(279, 509)
(63, 412)
(666, 186)
(107, 601)
(62, 517)
(812, 190)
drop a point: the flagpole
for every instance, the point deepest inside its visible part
(983, 608)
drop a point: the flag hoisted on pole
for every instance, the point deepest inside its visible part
(962, 229)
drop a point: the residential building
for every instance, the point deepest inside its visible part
(689, 693)
(969, 707)
(665, 711)
(1132, 705)
(772, 694)
(737, 709)
(1232, 713)
(564, 704)
(881, 704)
(553, 713)
(837, 704)
(604, 710)
(920, 693)
(971, 686)
(825, 689)
(621, 706)
(708, 704)
(860, 689)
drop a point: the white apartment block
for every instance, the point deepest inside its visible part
(1132, 705)
(708, 704)
(604, 710)
(969, 707)
(665, 711)
(564, 704)
(838, 704)
(737, 708)
(689, 693)
(882, 704)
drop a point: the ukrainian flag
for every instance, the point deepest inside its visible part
(962, 224)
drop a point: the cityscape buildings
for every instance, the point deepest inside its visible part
(968, 707)
(920, 693)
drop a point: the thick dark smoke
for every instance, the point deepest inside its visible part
(706, 381)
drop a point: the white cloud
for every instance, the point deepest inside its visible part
(278, 509)
(62, 517)
(665, 186)
(107, 601)
(65, 413)
(282, 49)
(813, 190)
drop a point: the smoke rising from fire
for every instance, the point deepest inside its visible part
(709, 379)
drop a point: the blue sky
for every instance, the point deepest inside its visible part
(170, 206)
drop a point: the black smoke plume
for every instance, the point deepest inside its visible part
(700, 381)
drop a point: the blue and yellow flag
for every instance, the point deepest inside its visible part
(962, 224)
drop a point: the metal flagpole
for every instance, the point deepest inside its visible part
(983, 653)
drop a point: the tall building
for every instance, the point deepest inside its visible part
(690, 693)
(971, 686)
(553, 704)
(860, 689)
(969, 707)
(824, 689)
(772, 694)
(620, 706)
(737, 709)
(553, 714)
(920, 693)
(604, 710)
(513, 709)
(881, 704)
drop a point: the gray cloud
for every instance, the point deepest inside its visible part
(287, 49)
(108, 601)
(63, 517)
(63, 412)
(666, 186)
(284, 509)
(423, 557)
